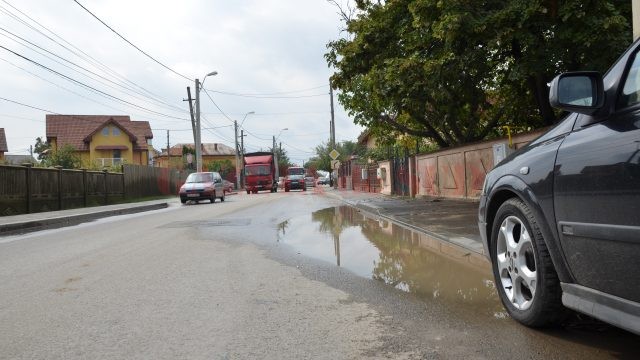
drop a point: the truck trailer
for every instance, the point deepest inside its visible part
(260, 172)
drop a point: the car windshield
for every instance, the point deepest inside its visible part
(200, 178)
(296, 171)
(257, 170)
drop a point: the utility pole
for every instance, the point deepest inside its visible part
(168, 152)
(275, 158)
(193, 120)
(242, 156)
(235, 125)
(332, 129)
(198, 139)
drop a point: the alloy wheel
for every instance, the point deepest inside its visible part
(516, 263)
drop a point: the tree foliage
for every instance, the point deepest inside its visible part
(456, 71)
(41, 148)
(224, 167)
(322, 160)
(65, 156)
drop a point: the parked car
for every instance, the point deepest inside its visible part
(323, 180)
(295, 179)
(229, 187)
(202, 186)
(559, 218)
(309, 181)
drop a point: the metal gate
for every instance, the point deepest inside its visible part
(400, 173)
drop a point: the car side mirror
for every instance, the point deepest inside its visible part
(581, 92)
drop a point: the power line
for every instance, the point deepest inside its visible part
(77, 52)
(130, 43)
(29, 106)
(90, 87)
(268, 96)
(155, 101)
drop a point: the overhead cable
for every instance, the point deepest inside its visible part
(130, 43)
(77, 52)
(90, 87)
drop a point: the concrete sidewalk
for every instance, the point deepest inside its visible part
(451, 220)
(25, 223)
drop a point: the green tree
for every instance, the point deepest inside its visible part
(41, 148)
(224, 167)
(457, 71)
(65, 156)
(322, 160)
(283, 160)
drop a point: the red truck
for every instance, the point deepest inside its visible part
(260, 172)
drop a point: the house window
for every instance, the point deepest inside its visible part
(105, 131)
(115, 131)
(117, 154)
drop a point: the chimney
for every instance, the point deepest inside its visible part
(215, 146)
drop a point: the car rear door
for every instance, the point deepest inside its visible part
(597, 197)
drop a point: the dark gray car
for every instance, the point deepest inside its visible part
(560, 218)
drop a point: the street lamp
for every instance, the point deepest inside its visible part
(275, 154)
(198, 138)
(238, 173)
(245, 117)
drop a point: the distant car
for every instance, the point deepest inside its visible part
(323, 180)
(295, 179)
(229, 187)
(559, 218)
(309, 181)
(202, 186)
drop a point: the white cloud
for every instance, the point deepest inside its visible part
(257, 47)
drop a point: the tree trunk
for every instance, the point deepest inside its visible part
(541, 95)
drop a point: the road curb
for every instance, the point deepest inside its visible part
(24, 227)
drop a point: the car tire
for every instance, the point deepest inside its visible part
(184, 201)
(248, 192)
(526, 280)
(222, 198)
(213, 198)
(286, 190)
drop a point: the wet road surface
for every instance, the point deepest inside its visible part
(285, 276)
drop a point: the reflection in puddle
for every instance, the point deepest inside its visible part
(409, 261)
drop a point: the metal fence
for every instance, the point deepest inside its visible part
(27, 189)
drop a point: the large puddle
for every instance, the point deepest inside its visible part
(378, 249)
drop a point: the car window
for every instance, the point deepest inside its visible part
(631, 90)
(257, 170)
(200, 178)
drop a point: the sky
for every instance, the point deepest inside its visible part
(55, 57)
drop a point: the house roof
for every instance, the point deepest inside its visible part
(364, 136)
(19, 159)
(208, 149)
(76, 130)
(3, 141)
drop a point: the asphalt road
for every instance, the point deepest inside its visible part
(213, 281)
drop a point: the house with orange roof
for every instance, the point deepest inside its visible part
(210, 152)
(3, 144)
(101, 140)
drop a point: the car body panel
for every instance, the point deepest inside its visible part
(202, 186)
(581, 180)
(309, 181)
(295, 179)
